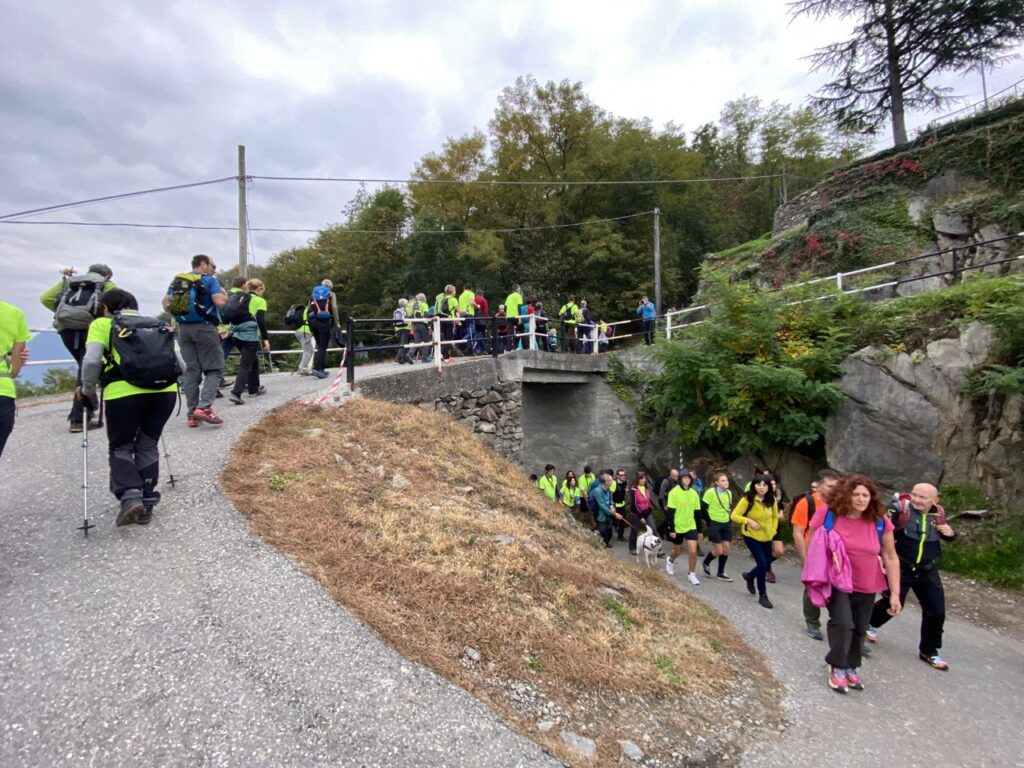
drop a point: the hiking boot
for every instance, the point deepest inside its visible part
(208, 415)
(236, 399)
(764, 602)
(853, 680)
(724, 576)
(131, 508)
(261, 391)
(707, 569)
(670, 567)
(75, 426)
(871, 634)
(148, 502)
(837, 680)
(934, 660)
(814, 633)
(94, 424)
(769, 577)
(320, 374)
(219, 394)
(692, 578)
(302, 372)
(750, 583)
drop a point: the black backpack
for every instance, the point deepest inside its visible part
(293, 317)
(144, 348)
(236, 311)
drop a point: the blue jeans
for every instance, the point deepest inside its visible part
(762, 552)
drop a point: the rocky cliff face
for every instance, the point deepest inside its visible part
(906, 420)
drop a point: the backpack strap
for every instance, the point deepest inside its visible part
(830, 520)
(880, 527)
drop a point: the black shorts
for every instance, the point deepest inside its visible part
(778, 535)
(681, 537)
(719, 532)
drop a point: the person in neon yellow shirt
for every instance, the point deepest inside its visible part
(718, 506)
(135, 415)
(548, 482)
(14, 334)
(248, 336)
(683, 503)
(512, 310)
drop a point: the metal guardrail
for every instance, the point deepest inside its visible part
(957, 269)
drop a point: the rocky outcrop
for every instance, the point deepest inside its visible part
(494, 413)
(906, 420)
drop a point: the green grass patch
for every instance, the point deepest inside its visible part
(991, 550)
(618, 610)
(664, 663)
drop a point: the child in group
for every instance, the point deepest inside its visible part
(683, 504)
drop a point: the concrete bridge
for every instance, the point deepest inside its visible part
(532, 407)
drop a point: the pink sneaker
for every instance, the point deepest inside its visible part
(836, 680)
(208, 415)
(853, 680)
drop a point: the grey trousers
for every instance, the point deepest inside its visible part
(306, 340)
(204, 357)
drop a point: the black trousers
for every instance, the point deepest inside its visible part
(7, 410)
(648, 331)
(134, 426)
(927, 587)
(74, 341)
(248, 374)
(403, 349)
(321, 330)
(848, 615)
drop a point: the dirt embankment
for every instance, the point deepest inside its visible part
(444, 549)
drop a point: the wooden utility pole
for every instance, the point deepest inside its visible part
(243, 229)
(657, 261)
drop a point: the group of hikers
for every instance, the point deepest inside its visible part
(518, 323)
(131, 366)
(860, 556)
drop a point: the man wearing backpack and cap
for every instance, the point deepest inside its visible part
(920, 527)
(194, 298)
(322, 317)
(74, 301)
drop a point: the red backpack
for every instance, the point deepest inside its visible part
(901, 505)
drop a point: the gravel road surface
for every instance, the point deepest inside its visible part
(190, 642)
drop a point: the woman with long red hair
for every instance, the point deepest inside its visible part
(857, 515)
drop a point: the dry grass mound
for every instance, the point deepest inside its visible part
(444, 549)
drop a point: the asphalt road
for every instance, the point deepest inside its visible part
(909, 715)
(190, 642)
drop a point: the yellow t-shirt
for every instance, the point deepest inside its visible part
(766, 517)
(685, 502)
(13, 329)
(99, 333)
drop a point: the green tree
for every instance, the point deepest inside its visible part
(757, 373)
(896, 49)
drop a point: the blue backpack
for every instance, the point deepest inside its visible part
(830, 520)
(320, 303)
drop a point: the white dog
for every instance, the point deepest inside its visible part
(648, 543)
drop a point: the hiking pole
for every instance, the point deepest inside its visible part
(167, 461)
(86, 525)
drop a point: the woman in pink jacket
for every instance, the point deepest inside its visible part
(858, 517)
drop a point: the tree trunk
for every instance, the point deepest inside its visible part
(899, 126)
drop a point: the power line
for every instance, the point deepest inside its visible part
(453, 231)
(506, 183)
(107, 198)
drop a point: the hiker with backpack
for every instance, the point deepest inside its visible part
(75, 303)
(194, 299)
(246, 311)
(296, 318)
(323, 317)
(400, 320)
(567, 314)
(584, 325)
(801, 512)
(135, 360)
(848, 538)
(920, 528)
(14, 335)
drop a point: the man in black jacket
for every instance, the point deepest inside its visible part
(920, 528)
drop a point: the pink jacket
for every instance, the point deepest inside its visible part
(826, 567)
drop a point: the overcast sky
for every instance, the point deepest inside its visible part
(103, 98)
